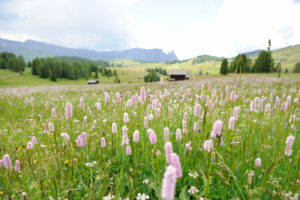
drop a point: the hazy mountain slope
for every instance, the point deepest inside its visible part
(31, 49)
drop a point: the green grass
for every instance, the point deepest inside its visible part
(59, 168)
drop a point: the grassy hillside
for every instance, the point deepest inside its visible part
(288, 56)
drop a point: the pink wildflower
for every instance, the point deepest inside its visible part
(250, 175)
(197, 110)
(184, 126)
(1, 164)
(152, 136)
(7, 162)
(114, 128)
(69, 110)
(231, 123)
(169, 184)
(289, 143)
(128, 150)
(195, 128)
(166, 134)
(103, 142)
(126, 118)
(33, 139)
(146, 122)
(51, 127)
(178, 134)
(257, 162)
(65, 136)
(29, 145)
(217, 128)
(53, 112)
(136, 136)
(208, 145)
(168, 151)
(83, 136)
(176, 164)
(81, 103)
(17, 166)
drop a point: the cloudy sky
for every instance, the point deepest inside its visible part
(189, 27)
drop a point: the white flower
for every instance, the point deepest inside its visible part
(146, 181)
(193, 190)
(109, 197)
(193, 175)
(89, 164)
(142, 196)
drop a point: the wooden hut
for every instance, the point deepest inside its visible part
(178, 75)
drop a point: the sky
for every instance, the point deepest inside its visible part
(188, 27)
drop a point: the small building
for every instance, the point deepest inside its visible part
(93, 82)
(178, 75)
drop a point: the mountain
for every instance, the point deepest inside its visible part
(206, 58)
(31, 49)
(253, 53)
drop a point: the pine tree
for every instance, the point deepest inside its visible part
(264, 62)
(53, 76)
(224, 67)
(96, 75)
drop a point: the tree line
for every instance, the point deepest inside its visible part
(59, 67)
(55, 68)
(12, 62)
(243, 64)
(158, 70)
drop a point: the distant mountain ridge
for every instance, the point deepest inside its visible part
(31, 49)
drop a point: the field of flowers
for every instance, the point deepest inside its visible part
(212, 139)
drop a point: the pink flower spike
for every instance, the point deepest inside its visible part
(1, 164)
(29, 145)
(103, 142)
(146, 122)
(168, 152)
(83, 135)
(176, 164)
(217, 129)
(231, 123)
(257, 162)
(178, 134)
(152, 136)
(17, 166)
(114, 128)
(126, 118)
(158, 153)
(51, 127)
(65, 136)
(53, 112)
(169, 184)
(136, 136)
(69, 110)
(81, 103)
(33, 139)
(197, 110)
(128, 150)
(166, 134)
(79, 141)
(7, 162)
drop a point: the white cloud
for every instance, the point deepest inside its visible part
(82, 23)
(239, 26)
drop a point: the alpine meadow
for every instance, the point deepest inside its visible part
(149, 100)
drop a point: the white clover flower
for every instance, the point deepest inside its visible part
(193, 190)
(142, 196)
(109, 197)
